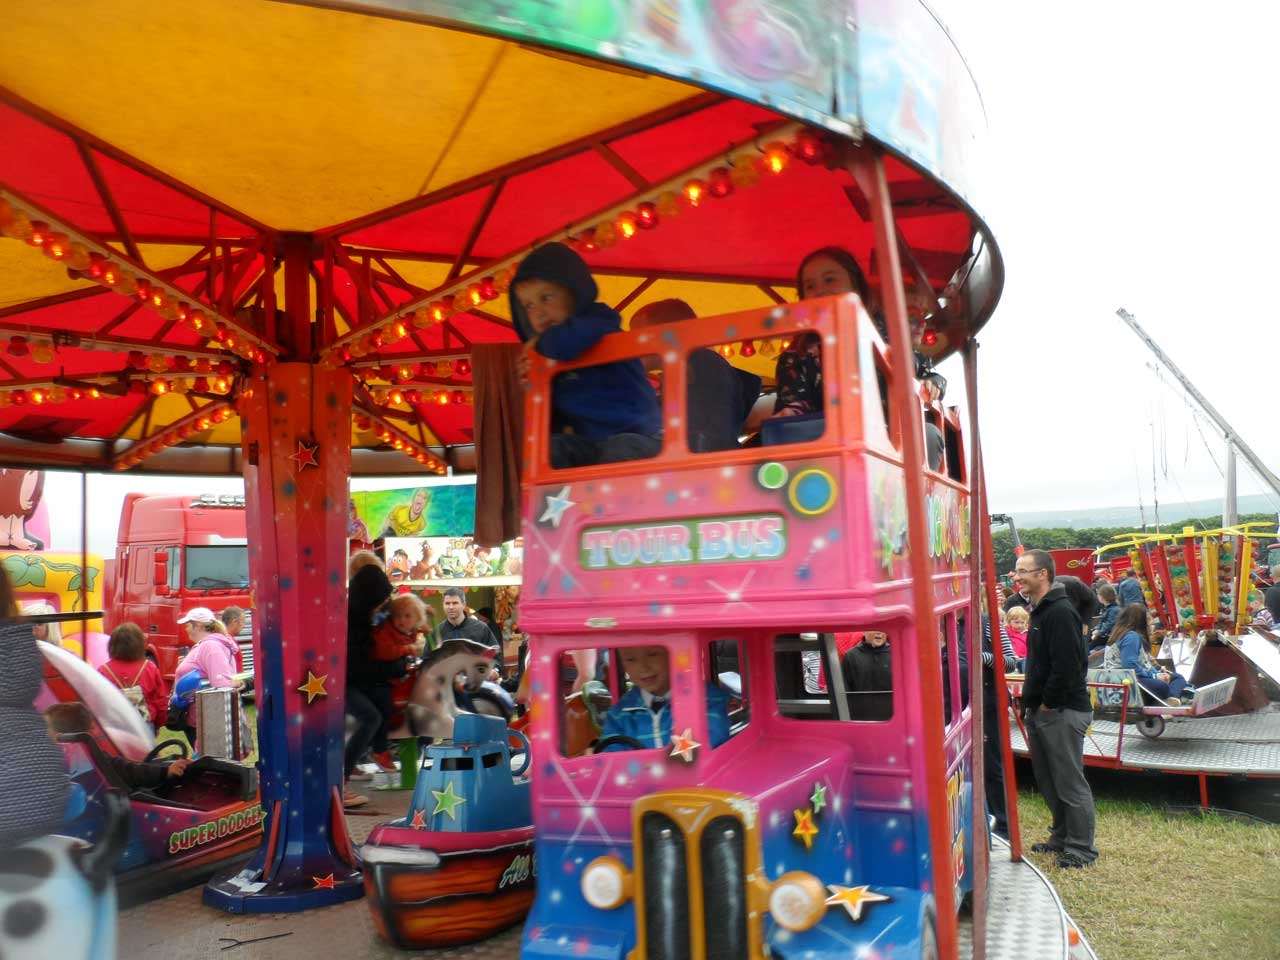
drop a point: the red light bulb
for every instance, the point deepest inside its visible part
(776, 157)
(694, 192)
(488, 289)
(808, 147)
(39, 233)
(18, 347)
(646, 216)
(56, 246)
(719, 182)
(929, 338)
(748, 349)
(459, 397)
(462, 367)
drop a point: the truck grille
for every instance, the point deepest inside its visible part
(245, 642)
(695, 857)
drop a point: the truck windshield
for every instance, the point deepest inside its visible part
(217, 568)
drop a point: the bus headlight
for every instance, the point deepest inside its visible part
(606, 883)
(797, 900)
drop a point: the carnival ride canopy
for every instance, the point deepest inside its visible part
(161, 163)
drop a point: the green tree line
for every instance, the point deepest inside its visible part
(1064, 538)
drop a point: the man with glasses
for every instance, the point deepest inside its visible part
(1056, 708)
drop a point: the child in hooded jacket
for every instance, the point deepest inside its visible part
(601, 414)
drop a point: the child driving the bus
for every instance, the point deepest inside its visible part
(643, 713)
(601, 414)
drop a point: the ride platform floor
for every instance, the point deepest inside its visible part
(1245, 744)
(1025, 920)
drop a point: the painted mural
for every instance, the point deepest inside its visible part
(438, 511)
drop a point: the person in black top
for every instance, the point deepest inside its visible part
(456, 625)
(1057, 711)
(368, 680)
(868, 673)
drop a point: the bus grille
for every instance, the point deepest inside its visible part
(724, 889)
(718, 870)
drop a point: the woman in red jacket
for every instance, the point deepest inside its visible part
(136, 676)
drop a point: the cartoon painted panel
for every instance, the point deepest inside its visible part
(774, 49)
(452, 558)
(446, 510)
(23, 524)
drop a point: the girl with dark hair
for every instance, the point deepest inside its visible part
(33, 782)
(824, 273)
(1127, 650)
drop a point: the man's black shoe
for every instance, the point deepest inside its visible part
(1072, 861)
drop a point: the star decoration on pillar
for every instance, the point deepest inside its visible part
(447, 801)
(819, 798)
(419, 821)
(684, 746)
(556, 506)
(805, 829)
(305, 455)
(852, 898)
(323, 883)
(314, 687)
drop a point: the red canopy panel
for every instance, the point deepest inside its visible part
(103, 417)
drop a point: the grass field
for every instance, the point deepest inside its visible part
(1169, 884)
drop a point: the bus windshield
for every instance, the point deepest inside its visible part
(217, 568)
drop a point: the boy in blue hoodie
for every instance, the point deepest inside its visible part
(601, 414)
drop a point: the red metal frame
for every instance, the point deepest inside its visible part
(868, 172)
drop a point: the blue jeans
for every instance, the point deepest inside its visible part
(368, 719)
(1164, 689)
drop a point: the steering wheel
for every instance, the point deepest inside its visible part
(160, 747)
(524, 747)
(631, 743)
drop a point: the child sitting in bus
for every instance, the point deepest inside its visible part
(602, 414)
(137, 677)
(719, 396)
(400, 635)
(643, 713)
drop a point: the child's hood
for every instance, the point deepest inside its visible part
(559, 264)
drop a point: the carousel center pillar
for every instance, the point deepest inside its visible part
(296, 420)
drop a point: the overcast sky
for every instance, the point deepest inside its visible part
(1132, 149)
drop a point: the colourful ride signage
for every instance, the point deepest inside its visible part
(710, 540)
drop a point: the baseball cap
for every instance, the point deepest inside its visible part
(198, 615)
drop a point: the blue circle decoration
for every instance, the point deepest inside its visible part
(812, 492)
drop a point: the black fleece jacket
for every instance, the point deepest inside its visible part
(367, 591)
(1057, 656)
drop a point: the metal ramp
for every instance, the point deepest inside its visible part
(1261, 649)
